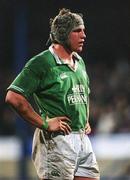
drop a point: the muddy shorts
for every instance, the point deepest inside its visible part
(61, 157)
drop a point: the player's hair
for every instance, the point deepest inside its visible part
(63, 24)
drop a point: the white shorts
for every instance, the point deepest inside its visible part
(61, 157)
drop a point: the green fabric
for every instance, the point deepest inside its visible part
(57, 89)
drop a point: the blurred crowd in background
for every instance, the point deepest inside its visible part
(110, 97)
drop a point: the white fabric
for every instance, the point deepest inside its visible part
(63, 157)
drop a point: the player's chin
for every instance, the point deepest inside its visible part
(79, 49)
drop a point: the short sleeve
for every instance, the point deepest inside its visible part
(28, 80)
(26, 83)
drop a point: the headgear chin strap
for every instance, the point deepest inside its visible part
(63, 24)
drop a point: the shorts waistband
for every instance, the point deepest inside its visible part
(80, 131)
(49, 135)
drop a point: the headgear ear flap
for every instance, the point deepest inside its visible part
(52, 36)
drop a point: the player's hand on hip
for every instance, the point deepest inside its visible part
(59, 124)
(87, 128)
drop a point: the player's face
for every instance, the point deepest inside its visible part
(77, 38)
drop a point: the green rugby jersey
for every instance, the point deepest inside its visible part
(58, 89)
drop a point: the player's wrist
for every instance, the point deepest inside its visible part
(45, 125)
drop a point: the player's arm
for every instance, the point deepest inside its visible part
(26, 111)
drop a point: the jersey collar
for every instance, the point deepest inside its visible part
(58, 61)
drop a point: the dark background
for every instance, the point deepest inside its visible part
(107, 23)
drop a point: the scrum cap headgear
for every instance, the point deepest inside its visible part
(63, 24)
